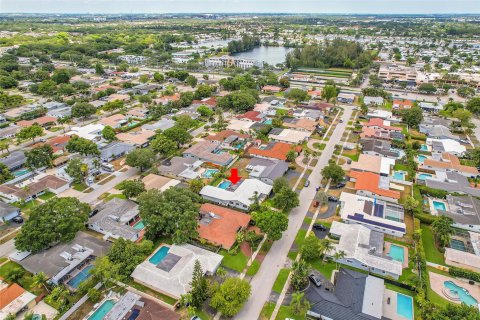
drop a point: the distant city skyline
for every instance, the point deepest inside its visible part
(242, 6)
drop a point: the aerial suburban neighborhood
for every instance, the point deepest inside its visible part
(239, 166)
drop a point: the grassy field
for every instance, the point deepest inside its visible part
(432, 253)
(281, 280)
(253, 269)
(236, 262)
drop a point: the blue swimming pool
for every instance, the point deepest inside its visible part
(424, 147)
(424, 176)
(102, 311)
(209, 173)
(268, 121)
(80, 277)
(461, 293)
(421, 158)
(404, 306)
(20, 172)
(399, 175)
(439, 205)
(397, 252)
(225, 184)
(159, 255)
(139, 225)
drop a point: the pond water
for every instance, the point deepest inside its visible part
(270, 55)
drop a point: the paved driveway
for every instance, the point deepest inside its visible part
(276, 258)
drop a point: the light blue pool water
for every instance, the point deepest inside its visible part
(80, 277)
(139, 225)
(20, 172)
(399, 175)
(424, 176)
(397, 252)
(404, 306)
(225, 184)
(209, 173)
(159, 255)
(424, 147)
(439, 205)
(462, 293)
(268, 121)
(102, 311)
(421, 158)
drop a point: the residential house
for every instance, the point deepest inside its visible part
(154, 181)
(381, 124)
(430, 107)
(172, 274)
(229, 139)
(376, 214)
(300, 124)
(381, 148)
(274, 150)
(115, 150)
(9, 132)
(375, 164)
(14, 193)
(166, 99)
(363, 249)
(354, 296)
(447, 162)
(463, 259)
(437, 131)
(371, 133)
(116, 219)
(346, 97)
(137, 113)
(8, 212)
(240, 195)
(42, 121)
(271, 89)
(140, 138)
(373, 185)
(162, 125)
(210, 152)
(464, 211)
(115, 120)
(266, 170)
(376, 101)
(452, 182)
(382, 114)
(182, 168)
(92, 131)
(254, 116)
(402, 104)
(313, 115)
(219, 225)
(451, 146)
(14, 160)
(57, 143)
(289, 135)
(240, 125)
(14, 300)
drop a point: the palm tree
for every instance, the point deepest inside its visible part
(298, 304)
(300, 270)
(325, 247)
(337, 256)
(40, 279)
(442, 228)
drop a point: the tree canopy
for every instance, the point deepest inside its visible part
(271, 222)
(82, 146)
(231, 296)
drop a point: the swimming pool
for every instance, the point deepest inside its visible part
(461, 293)
(424, 147)
(20, 172)
(80, 277)
(102, 311)
(421, 158)
(268, 121)
(458, 245)
(439, 205)
(159, 255)
(399, 175)
(139, 225)
(397, 252)
(404, 306)
(209, 173)
(424, 176)
(225, 184)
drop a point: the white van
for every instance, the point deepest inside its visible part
(107, 167)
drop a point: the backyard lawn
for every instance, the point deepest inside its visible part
(432, 254)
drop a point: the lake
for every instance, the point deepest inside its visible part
(270, 55)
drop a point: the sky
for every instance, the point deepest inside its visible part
(241, 6)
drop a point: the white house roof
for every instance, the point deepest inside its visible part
(90, 131)
(243, 193)
(291, 135)
(372, 300)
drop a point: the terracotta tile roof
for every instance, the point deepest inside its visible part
(136, 137)
(305, 124)
(251, 115)
(370, 132)
(41, 121)
(369, 181)
(222, 135)
(9, 294)
(271, 88)
(377, 122)
(209, 102)
(450, 161)
(113, 120)
(275, 150)
(222, 228)
(57, 143)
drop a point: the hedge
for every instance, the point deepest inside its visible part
(425, 217)
(463, 273)
(436, 193)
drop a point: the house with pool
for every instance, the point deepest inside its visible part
(375, 164)
(357, 296)
(66, 263)
(381, 148)
(376, 214)
(230, 140)
(451, 182)
(181, 168)
(364, 249)
(439, 146)
(446, 162)
(373, 185)
(464, 211)
(240, 195)
(169, 269)
(117, 218)
(210, 152)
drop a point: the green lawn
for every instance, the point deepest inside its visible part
(47, 195)
(26, 280)
(281, 280)
(267, 310)
(325, 268)
(253, 269)
(156, 294)
(319, 146)
(237, 262)
(80, 186)
(432, 254)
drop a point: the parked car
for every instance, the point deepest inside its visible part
(320, 227)
(341, 120)
(332, 199)
(316, 280)
(195, 318)
(306, 184)
(94, 212)
(18, 219)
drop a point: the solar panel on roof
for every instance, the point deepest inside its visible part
(378, 210)
(360, 218)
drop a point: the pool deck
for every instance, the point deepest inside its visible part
(390, 309)
(405, 252)
(437, 280)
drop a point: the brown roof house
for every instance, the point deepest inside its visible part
(14, 299)
(13, 193)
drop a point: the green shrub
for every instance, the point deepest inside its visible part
(463, 273)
